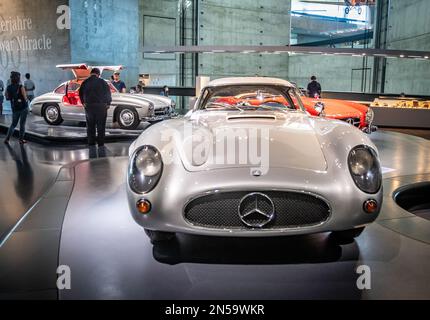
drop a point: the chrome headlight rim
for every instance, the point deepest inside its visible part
(375, 171)
(137, 181)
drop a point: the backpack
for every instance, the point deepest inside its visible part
(16, 98)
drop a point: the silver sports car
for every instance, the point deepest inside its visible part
(255, 168)
(128, 110)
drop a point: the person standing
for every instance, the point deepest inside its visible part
(15, 93)
(96, 97)
(139, 88)
(165, 91)
(118, 84)
(314, 88)
(29, 87)
(1, 96)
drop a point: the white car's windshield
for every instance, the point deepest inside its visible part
(250, 97)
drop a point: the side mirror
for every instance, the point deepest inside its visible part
(320, 107)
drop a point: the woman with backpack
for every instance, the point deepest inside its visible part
(17, 96)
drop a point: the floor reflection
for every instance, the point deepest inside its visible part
(256, 251)
(27, 172)
(24, 182)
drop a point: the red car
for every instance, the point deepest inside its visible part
(354, 113)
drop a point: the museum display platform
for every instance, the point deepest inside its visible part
(38, 130)
(82, 220)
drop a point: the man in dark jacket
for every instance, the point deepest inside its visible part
(96, 97)
(314, 88)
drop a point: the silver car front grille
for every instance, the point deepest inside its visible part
(353, 121)
(291, 210)
(162, 111)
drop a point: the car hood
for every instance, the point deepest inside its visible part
(256, 140)
(157, 101)
(131, 98)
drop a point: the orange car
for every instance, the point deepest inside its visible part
(354, 113)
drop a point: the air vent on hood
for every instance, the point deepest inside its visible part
(251, 117)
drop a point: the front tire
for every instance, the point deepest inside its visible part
(347, 235)
(157, 237)
(127, 118)
(52, 114)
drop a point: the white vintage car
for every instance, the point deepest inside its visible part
(128, 110)
(252, 169)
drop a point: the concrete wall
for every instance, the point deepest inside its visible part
(335, 73)
(45, 44)
(106, 32)
(409, 28)
(159, 26)
(246, 22)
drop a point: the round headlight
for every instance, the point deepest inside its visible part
(360, 162)
(145, 169)
(365, 169)
(148, 162)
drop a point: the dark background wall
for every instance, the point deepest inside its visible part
(53, 44)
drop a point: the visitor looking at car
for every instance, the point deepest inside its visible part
(165, 91)
(118, 84)
(9, 81)
(140, 88)
(96, 97)
(15, 93)
(29, 87)
(314, 88)
(137, 89)
(1, 96)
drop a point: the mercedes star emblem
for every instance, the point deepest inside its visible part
(256, 210)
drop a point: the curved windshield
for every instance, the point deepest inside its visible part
(251, 97)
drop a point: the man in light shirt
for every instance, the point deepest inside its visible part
(29, 87)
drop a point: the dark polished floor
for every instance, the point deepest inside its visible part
(83, 221)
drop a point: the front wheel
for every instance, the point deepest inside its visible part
(127, 118)
(52, 114)
(347, 235)
(158, 236)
